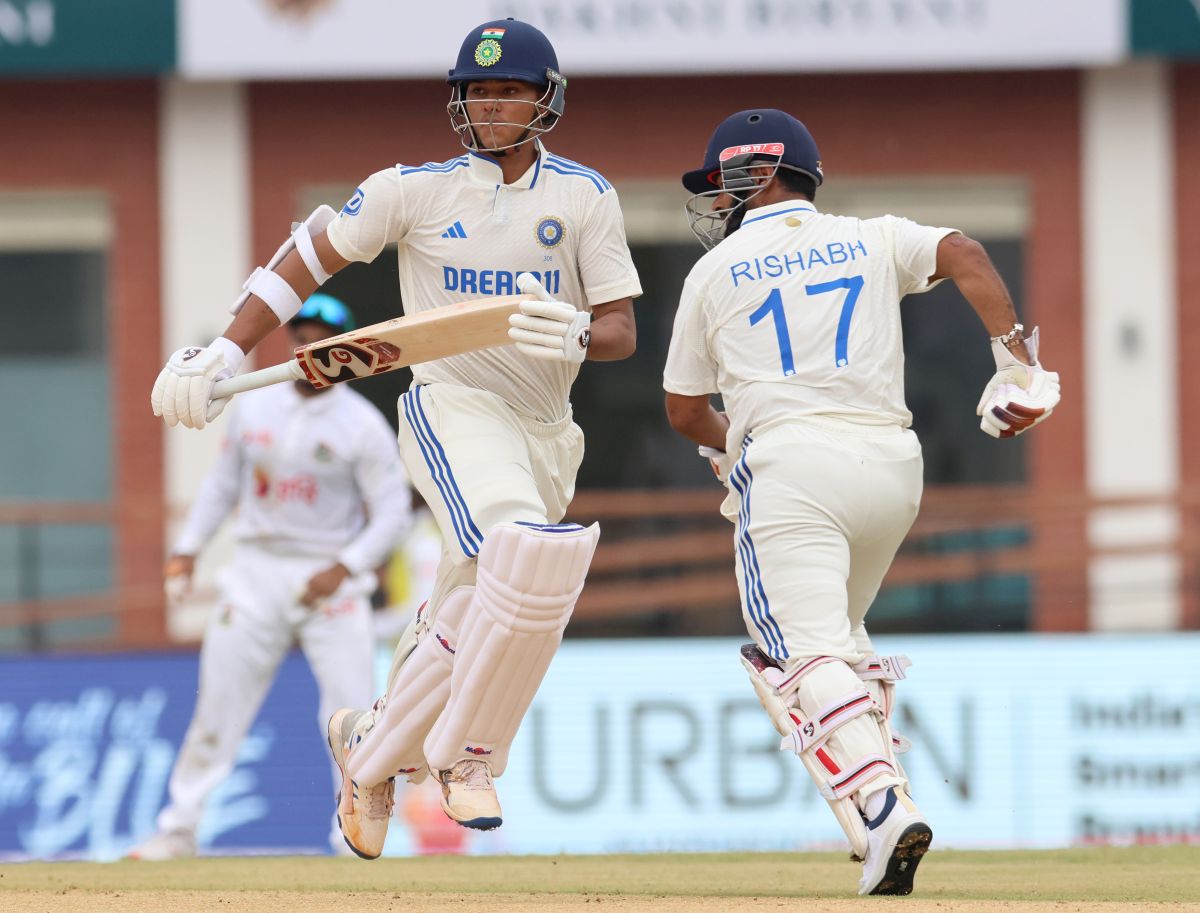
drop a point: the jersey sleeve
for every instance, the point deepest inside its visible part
(914, 247)
(691, 369)
(383, 485)
(371, 219)
(605, 264)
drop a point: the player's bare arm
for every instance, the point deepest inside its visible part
(273, 295)
(695, 418)
(965, 261)
(256, 319)
(614, 332)
(1020, 394)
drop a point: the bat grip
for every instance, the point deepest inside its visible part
(531, 285)
(276, 374)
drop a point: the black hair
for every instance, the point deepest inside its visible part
(795, 182)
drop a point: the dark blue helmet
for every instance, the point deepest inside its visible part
(510, 49)
(760, 133)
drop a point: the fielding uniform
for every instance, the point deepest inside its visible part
(487, 436)
(794, 319)
(316, 480)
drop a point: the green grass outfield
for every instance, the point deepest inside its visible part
(1133, 878)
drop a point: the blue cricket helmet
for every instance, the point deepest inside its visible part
(753, 133)
(510, 49)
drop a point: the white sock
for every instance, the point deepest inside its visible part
(872, 805)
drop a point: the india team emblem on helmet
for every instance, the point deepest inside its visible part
(549, 232)
(488, 52)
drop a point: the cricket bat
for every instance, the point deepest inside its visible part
(448, 330)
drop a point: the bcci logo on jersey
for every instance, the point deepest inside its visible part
(549, 232)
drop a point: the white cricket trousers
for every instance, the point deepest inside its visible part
(254, 624)
(820, 508)
(476, 462)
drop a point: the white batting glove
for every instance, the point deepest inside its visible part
(551, 330)
(182, 394)
(719, 460)
(1018, 396)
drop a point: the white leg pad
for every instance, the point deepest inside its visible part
(879, 674)
(832, 721)
(394, 744)
(528, 580)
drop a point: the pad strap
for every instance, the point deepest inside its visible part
(849, 782)
(786, 685)
(882, 668)
(808, 735)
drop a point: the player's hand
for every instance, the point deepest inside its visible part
(182, 394)
(1018, 396)
(324, 584)
(551, 330)
(177, 577)
(719, 460)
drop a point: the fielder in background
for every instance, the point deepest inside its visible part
(322, 500)
(793, 317)
(487, 436)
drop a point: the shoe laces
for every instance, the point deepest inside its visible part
(380, 800)
(472, 774)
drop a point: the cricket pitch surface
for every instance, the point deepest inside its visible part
(1102, 880)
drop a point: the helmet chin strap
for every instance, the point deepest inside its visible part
(501, 153)
(734, 220)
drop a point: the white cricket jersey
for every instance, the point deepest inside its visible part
(797, 313)
(316, 476)
(462, 233)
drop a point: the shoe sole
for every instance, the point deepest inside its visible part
(475, 824)
(902, 867)
(339, 758)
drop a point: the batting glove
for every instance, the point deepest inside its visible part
(182, 394)
(551, 330)
(1018, 396)
(719, 460)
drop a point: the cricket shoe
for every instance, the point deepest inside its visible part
(897, 838)
(469, 795)
(163, 845)
(363, 813)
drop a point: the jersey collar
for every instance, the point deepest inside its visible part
(774, 210)
(484, 170)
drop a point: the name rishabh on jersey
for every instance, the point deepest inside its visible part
(796, 313)
(462, 233)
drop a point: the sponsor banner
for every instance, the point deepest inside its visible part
(225, 39)
(632, 746)
(1169, 27)
(66, 37)
(87, 744)
(1018, 741)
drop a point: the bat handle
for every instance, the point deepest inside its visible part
(529, 284)
(276, 374)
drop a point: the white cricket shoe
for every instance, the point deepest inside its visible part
(363, 814)
(163, 845)
(897, 838)
(469, 795)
